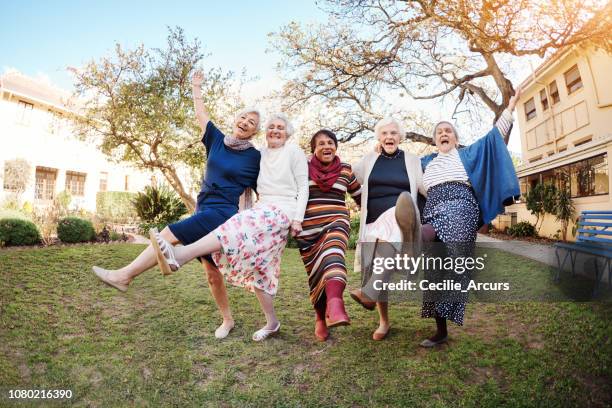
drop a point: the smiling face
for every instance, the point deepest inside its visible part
(389, 137)
(445, 137)
(324, 148)
(245, 125)
(276, 133)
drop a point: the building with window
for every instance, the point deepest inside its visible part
(33, 128)
(565, 121)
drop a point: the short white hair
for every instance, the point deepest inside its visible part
(246, 110)
(433, 136)
(388, 121)
(288, 126)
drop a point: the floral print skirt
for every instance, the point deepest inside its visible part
(252, 243)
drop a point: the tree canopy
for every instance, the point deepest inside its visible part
(427, 50)
(137, 105)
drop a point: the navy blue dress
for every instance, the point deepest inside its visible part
(228, 173)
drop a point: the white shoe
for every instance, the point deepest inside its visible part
(164, 252)
(262, 334)
(104, 276)
(222, 331)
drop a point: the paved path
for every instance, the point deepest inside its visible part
(139, 239)
(539, 252)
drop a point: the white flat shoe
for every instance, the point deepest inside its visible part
(262, 334)
(222, 331)
(164, 252)
(104, 276)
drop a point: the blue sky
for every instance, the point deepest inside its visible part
(43, 37)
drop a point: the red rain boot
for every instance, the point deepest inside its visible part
(336, 314)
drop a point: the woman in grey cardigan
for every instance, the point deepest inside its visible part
(390, 180)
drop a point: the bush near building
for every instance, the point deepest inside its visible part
(116, 207)
(15, 231)
(73, 229)
(158, 207)
(522, 229)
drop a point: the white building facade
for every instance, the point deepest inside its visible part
(33, 128)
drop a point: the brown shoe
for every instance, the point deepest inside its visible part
(378, 336)
(405, 215)
(362, 299)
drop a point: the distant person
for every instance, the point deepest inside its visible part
(232, 167)
(326, 227)
(252, 241)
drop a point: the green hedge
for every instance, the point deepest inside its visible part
(116, 207)
(14, 231)
(73, 229)
(522, 229)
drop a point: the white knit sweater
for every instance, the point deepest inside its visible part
(283, 180)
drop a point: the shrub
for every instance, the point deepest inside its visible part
(116, 207)
(522, 229)
(291, 242)
(115, 236)
(17, 175)
(4, 213)
(48, 217)
(73, 229)
(564, 210)
(14, 231)
(354, 234)
(158, 207)
(144, 227)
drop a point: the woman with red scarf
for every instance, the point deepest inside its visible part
(324, 239)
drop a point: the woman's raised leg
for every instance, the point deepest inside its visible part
(122, 277)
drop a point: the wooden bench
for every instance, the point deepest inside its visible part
(594, 239)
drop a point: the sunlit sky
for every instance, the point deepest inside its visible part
(42, 38)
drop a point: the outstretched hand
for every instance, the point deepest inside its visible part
(197, 79)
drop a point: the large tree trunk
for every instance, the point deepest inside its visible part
(177, 185)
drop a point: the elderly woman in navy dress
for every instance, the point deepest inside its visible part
(252, 241)
(232, 167)
(466, 188)
(390, 180)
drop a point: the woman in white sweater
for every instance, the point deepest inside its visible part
(252, 241)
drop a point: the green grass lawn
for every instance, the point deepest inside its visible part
(60, 328)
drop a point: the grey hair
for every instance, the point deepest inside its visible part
(433, 136)
(288, 126)
(388, 121)
(246, 110)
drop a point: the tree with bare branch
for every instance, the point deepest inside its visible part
(427, 50)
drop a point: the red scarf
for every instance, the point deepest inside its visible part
(324, 176)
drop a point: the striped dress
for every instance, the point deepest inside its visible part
(324, 239)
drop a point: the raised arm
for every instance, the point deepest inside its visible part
(504, 123)
(198, 101)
